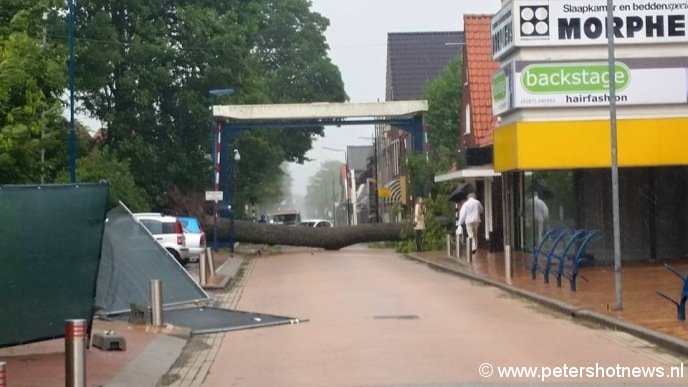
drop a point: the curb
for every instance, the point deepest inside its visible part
(669, 342)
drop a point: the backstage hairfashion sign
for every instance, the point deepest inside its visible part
(639, 81)
(526, 23)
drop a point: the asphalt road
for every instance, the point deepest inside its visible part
(378, 319)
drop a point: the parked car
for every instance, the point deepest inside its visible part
(168, 231)
(315, 223)
(195, 236)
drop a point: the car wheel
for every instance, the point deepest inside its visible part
(176, 256)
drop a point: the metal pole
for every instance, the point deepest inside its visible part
(216, 177)
(72, 129)
(618, 284)
(377, 198)
(75, 355)
(202, 269)
(508, 273)
(231, 203)
(156, 302)
(334, 206)
(3, 374)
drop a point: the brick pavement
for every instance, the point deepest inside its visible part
(642, 307)
(192, 367)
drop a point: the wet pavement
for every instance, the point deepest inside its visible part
(376, 319)
(641, 305)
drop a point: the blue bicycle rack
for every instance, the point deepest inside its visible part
(580, 258)
(576, 236)
(681, 304)
(555, 235)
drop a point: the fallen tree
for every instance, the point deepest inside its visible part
(333, 238)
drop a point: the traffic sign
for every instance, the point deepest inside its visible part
(384, 193)
(213, 196)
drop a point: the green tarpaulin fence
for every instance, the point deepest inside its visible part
(50, 242)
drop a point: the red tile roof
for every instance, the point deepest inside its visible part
(479, 67)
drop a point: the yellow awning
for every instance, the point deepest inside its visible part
(587, 144)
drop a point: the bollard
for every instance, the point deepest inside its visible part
(449, 245)
(156, 302)
(3, 374)
(75, 356)
(507, 262)
(211, 263)
(458, 246)
(469, 251)
(202, 265)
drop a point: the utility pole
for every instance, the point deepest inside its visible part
(72, 129)
(618, 284)
(377, 198)
(334, 205)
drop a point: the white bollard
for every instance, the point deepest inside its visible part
(507, 262)
(156, 302)
(458, 246)
(75, 355)
(3, 374)
(448, 245)
(211, 263)
(202, 272)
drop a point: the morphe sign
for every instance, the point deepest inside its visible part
(532, 23)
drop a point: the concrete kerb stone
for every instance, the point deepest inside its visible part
(666, 341)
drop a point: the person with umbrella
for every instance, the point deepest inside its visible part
(470, 216)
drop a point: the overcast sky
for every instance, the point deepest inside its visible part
(357, 37)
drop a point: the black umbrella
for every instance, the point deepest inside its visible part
(461, 192)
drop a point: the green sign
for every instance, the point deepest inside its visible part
(499, 86)
(573, 78)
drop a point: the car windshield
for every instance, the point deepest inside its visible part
(191, 225)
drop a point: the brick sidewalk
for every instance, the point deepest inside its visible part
(642, 306)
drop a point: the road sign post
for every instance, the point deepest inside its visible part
(214, 196)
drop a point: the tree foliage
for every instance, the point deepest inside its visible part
(320, 190)
(442, 119)
(31, 83)
(444, 102)
(146, 69)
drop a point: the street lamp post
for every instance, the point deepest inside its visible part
(237, 157)
(72, 128)
(618, 285)
(346, 183)
(334, 205)
(217, 148)
(377, 199)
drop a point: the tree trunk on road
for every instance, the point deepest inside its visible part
(330, 238)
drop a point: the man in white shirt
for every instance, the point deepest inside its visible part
(541, 214)
(470, 216)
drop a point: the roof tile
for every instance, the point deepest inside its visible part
(480, 67)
